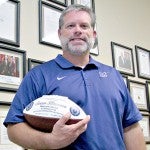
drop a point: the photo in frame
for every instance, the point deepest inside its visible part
(33, 63)
(12, 67)
(139, 94)
(5, 143)
(10, 22)
(145, 125)
(143, 62)
(89, 3)
(49, 24)
(122, 57)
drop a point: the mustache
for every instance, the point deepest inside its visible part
(81, 38)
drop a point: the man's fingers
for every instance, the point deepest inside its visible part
(64, 119)
(83, 122)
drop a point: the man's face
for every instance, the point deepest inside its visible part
(76, 34)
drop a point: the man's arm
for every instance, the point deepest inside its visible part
(134, 139)
(61, 136)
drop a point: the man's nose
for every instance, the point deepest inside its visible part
(77, 29)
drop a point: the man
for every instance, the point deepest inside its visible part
(97, 88)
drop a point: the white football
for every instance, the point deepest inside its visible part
(45, 111)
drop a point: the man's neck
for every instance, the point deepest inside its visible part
(79, 61)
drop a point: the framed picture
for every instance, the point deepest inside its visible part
(145, 125)
(12, 67)
(33, 62)
(6, 95)
(148, 91)
(143, 62)
(49, 24)
(61, 2)
(5, 143)
(139, 94)
(10, 22)
(89, 3)
(123, 58)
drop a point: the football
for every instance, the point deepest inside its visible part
(45, 111)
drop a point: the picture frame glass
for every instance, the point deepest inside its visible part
(123, 58)
(143, 62)
(9, 22)
(12, 67)
(49, 24)
(139, 95)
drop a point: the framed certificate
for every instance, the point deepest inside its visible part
(5, 143)
(122, 57)
(12, 67)
(89, 3)
(49, 24)
(33, 62)
(143, 62)
(139, 94)
(10, 22)
(145, 125)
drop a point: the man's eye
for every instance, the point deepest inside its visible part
(85, 26)
(70, 26)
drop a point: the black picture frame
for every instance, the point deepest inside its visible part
(10, 22)
(48, 24)
(12, 67)
(89, 3)
(61, 2)
(33, 63)
(139, 94)
(148, 93)
(122, 57)
(143, 62)
(145, 125)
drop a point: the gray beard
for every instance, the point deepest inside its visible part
(77, 50)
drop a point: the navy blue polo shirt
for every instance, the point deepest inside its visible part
(97, 88)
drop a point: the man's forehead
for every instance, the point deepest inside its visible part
(74, 16)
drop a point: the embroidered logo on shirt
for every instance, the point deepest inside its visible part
(103, 74)
(60, 78)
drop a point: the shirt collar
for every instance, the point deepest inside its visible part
(64, 63)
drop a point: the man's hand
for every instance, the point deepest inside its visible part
(63, 135)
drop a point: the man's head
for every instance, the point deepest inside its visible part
(76, 29)
(77, 8)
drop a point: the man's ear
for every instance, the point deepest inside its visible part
(94, 34)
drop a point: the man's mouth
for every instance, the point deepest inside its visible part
(77, 39)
